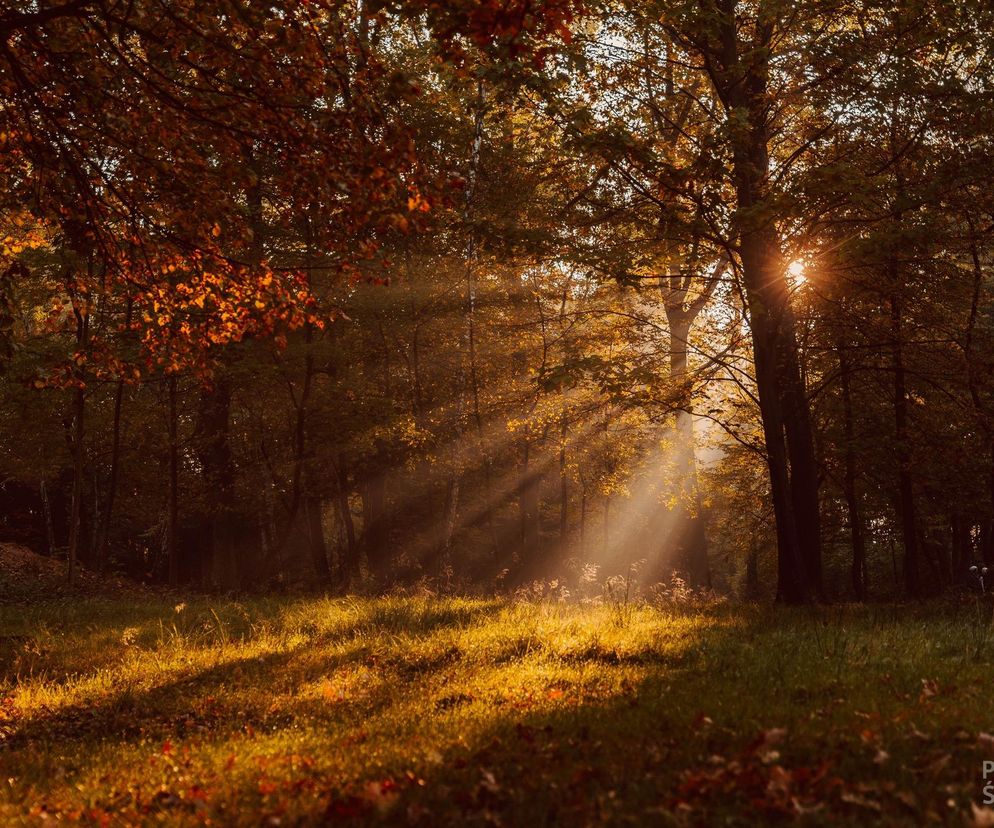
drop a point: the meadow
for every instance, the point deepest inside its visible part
(428, 711)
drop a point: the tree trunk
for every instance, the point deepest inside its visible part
(375, 524)
(172, 517)
(688, 533)
(348, 562)
(450, 514)
(523, 517)
(316, 541)
(302, 475)
(849, 481)
(803, 462)
(224, 529)
(607, 526)
(973, 383)
(752, 590)
(103, 526)
(528, 504)
(907, 512)
(583, 521)
(563, 483)
(468, 380)
(78, 452)
(962, 546)
(763, 296)
(741, 81)
(76, 518)
(987, 541)
(46, 507)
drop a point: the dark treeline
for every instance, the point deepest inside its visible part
(342, 294)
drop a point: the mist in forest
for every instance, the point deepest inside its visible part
(472, 299)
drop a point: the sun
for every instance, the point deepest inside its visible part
(796, 272)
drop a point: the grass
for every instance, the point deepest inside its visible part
(454, 711)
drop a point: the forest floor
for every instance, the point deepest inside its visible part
(27, 576)
(422, 711)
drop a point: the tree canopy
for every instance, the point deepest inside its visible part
(494, 293)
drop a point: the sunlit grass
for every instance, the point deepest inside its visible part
(422, 710)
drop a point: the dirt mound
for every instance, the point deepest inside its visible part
(26, 574)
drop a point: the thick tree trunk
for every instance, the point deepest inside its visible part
(741, 81)
(801, 449)
(766, 300)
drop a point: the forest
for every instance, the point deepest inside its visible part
(479, 382)
(468, 294)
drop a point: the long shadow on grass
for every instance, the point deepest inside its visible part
(556, 756)
(100, 633)
(650, 754)
(196, 702)
(563, 757)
